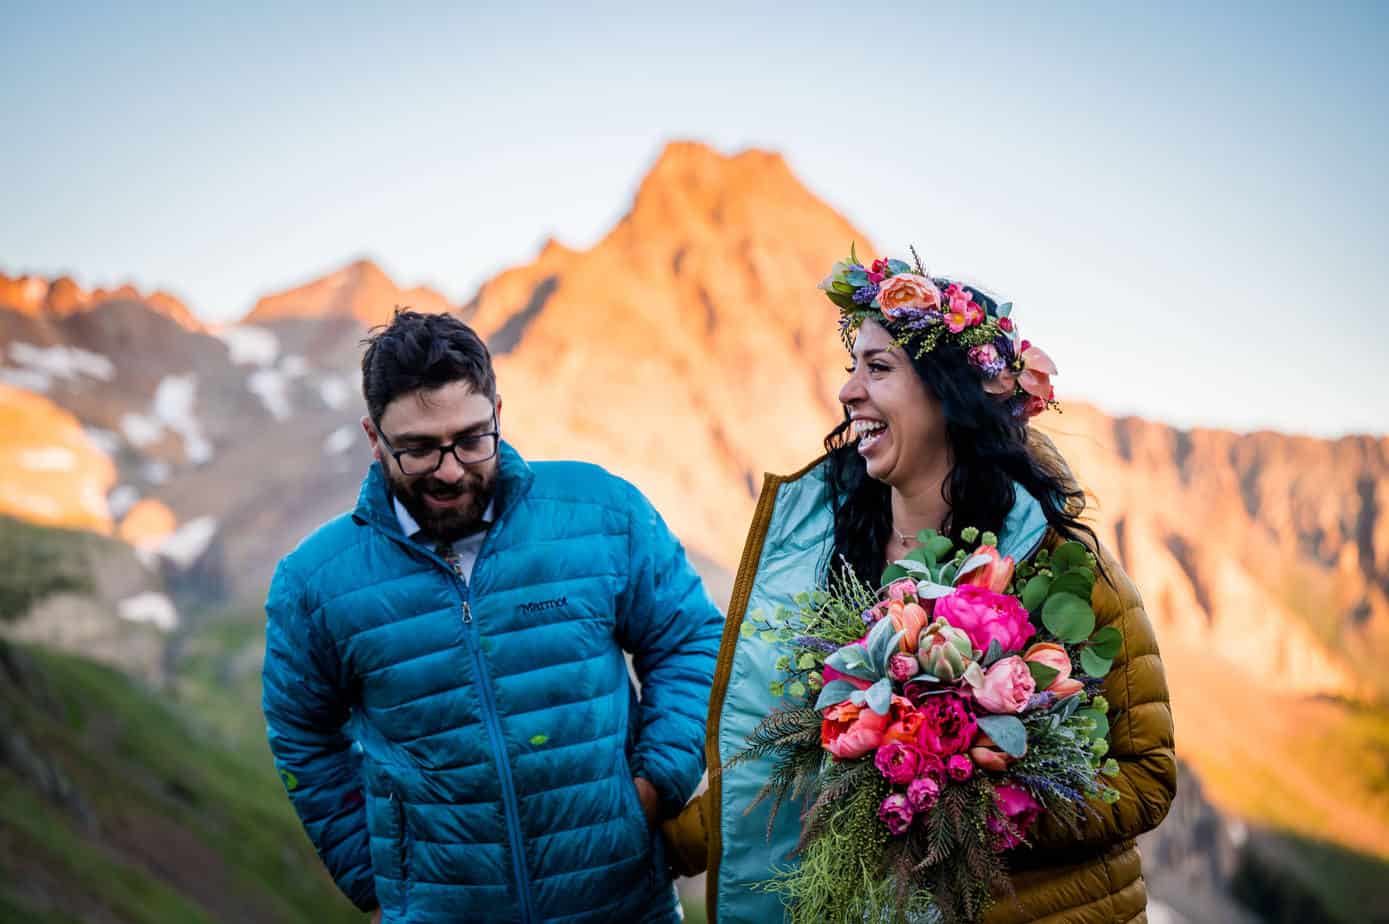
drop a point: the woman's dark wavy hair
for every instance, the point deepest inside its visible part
(990, 453)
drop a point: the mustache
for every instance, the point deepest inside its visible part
(444, 489)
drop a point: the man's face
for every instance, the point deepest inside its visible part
(448, 502)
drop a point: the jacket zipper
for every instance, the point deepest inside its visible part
(494, 731)
(490, 719)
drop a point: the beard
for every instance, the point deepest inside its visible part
(474, 488)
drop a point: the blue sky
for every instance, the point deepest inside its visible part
(1187, 204)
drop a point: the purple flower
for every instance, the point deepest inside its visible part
(819, 644)
(896, 813)
(1004, 345)
(921, 794)
(865, 294)
(915, 320)
(986, 359)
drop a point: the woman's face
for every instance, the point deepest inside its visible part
(898, 422)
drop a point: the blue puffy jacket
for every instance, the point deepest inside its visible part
(465, 751)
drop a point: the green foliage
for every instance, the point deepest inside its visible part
(147, 770)
(37, 562)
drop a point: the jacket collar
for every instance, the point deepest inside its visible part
(375, 506)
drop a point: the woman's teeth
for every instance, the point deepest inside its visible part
(868, 432)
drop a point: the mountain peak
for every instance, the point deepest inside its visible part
(38, 297)
(362, 290)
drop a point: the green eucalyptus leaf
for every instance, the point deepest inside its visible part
(806, 662)
(747, 629)
(1068, 617)
(1107, 642)
(993, 654)
(836, 691)
(796, 689)
(1093, 664)
(1069, 555)
(1035, 593)
(852, 660)
(1075, 582)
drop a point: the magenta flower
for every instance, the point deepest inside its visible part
(896, 813)
(922, 793)
(898, 762)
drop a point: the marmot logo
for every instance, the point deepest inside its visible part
(544, 605)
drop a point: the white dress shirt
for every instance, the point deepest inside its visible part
(466, 548)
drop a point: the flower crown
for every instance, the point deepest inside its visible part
(927, 311)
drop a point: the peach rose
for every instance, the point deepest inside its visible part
(907, 291)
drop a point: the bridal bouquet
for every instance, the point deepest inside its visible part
(929, 723)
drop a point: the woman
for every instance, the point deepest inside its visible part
(935, 436)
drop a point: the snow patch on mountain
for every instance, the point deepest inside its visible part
(340, 440)
(48, 459)
(150, 607)
(171, 410)
(39, 366)
(249, 345)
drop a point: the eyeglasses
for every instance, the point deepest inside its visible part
(466, 450)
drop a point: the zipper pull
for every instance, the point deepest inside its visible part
(467, 612)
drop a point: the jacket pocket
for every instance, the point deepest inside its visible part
(400, 823)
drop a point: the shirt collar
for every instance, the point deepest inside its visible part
(409, 527)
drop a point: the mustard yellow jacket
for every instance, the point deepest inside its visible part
(1061, 878)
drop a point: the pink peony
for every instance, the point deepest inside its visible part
(993, 574)
(947, 725)
(896, 813)
(922, 793)
(1007, 687)
(850, 731)
(898, 761)
(907, 291)
(959, 767)
(1021, 810)
(986, 616)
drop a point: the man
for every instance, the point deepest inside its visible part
(445, 688)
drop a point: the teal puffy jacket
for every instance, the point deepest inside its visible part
(465, 751)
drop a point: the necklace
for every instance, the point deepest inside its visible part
(900, 537)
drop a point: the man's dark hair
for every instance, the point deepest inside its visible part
(419, 350)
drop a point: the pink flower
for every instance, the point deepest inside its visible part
(1005, 325)
(974, 314)
(907, 291)
(896, 813)
(1034, 376)
(959, 767)
(1055, 657)
(899, 589)
(993, 574)
(898, 761)
(986, 616)
(947, 724)
(1021, 810)
(850, 731)
(902, 667)
(958, 321)
(922, 793)
(1034, 406)
(1007, 687)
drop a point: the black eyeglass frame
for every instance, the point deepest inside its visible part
(451, 448)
